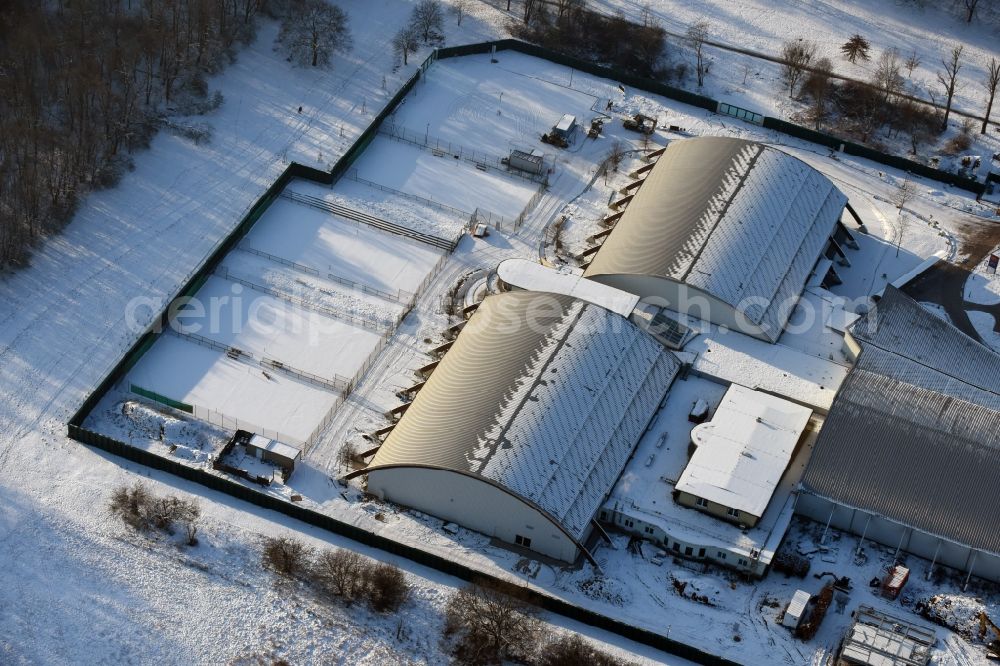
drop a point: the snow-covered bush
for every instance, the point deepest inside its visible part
(486, 625)
(573, 650)
(387, 587)
(143, 511)
(340, 573)
(285, 556)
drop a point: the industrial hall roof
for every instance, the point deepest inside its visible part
(542, 395)
(914, 434)
(739, 220)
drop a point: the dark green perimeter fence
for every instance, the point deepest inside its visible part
(295, 170)
(422, 557)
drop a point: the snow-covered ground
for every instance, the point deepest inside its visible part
(77, 587)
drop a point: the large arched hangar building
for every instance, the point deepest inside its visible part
(527, 422)
(725, 230)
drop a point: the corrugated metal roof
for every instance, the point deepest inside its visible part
(742, 221)
(901, 325)
(907, 436)
(550, 411)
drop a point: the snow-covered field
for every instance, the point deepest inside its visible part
(77, 587)
(927, 29)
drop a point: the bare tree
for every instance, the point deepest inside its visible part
(428, 20)
(887, 75)
(917, 121)
(489, 625)
(459, 8)
(795, 58)
(819, 88)
(528, 10)
(990, 83)
(696, 36)
(387, 587)
(611, 162)
(142, 510)
(313, 32)
(970, 9)
(903, 195)
(132, 505)
(345, 457)
(856, 47)
(405, 42)
(565, 7)
(948, 78)
(747, 68)
(188, 514)
(911, 63)
(571, 650)
(646, 17)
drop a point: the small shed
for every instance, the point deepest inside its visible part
(565, 126)
(796, 609)
(894, 581)
(271, 450)
(532, 162)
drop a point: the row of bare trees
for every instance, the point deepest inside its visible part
(483, 623)
(570, 27)
(338, 573)
(82, 85)
(880, 101)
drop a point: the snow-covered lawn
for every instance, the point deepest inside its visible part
(323, 293)
(405, 211)
(271, 327)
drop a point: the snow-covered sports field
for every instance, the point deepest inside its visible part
(270, 342)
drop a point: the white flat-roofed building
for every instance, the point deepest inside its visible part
(642, 502)
(741, 454)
